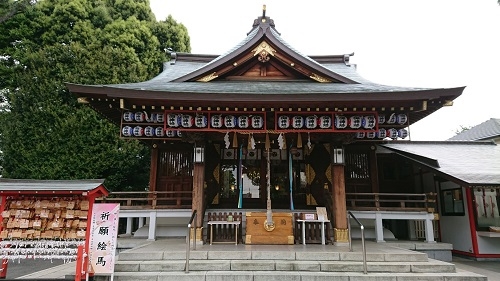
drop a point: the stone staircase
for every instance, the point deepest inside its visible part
(287, 262)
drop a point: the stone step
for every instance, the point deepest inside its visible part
(289, 275)
(432, 266)
(272, 255)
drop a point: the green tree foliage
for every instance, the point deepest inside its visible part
(462, 129)
(44, 132)
(9, 8)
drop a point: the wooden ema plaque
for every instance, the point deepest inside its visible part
(256, 233)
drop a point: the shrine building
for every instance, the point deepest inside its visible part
(266, 130)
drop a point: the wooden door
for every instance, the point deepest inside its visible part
(175, 176)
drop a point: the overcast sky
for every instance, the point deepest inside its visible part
(424, 43)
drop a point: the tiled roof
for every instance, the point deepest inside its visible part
(474, 163)
(49, 185)
(486, 130)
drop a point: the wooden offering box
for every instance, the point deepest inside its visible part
(256, 233)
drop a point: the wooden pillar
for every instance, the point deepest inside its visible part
(154, 167)
(198, 195)
(373, 170)
(339, 205)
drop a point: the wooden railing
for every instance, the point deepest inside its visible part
(149, 199)
(354, 201)
(391, 202)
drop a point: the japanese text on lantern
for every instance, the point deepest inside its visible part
(104, 230)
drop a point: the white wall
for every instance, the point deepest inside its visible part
(456, 229)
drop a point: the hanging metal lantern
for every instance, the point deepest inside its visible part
(369, 122)
(382, 133)
(127, 131)
(128, 116)
(311, 122)
(257, 122)
(173, 120)
(403, 133)
(187, 121)
(401, 119)
(325, 122)
(216, 121)
(297, 122)
(283, 122)
(159, 132)
(230, 121)
(200, 121)
(340, 122)
(392, 133)
(138, 131)
(355, 122)
(149, 131)
(243, 121)
(139, 116)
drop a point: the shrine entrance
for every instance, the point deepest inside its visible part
(245, 178)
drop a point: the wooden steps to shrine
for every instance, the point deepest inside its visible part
(162, 261)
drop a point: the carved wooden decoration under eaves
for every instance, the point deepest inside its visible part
(209, 77)
(263, 51)
(319, 78)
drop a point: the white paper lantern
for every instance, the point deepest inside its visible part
(283, 122)
(243, 121)
(401, 119)
(392, 119)
(382, 133)
(311, 122)
(179, 134)
(297, 122)
(257, 122)
(149, 131)
(369, 122)
(173, 120)
(381, 119)
(392, 133)
(127, 131)
(200, 121)
(128, 116)
(402, 133)
(371, 135)
(360, 135)
(138, 131)
(230, 121)
(325, 122)
(187, 121)
(160, 117)
(159, 132)
(340, 122)
(216, 121)
(355, 122)
(170, 133)
(139, 116)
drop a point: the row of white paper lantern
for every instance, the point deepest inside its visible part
(149, 131)
(142, 116)
(383, 133)
(216, 121)
(325, 122)
(394, 118)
